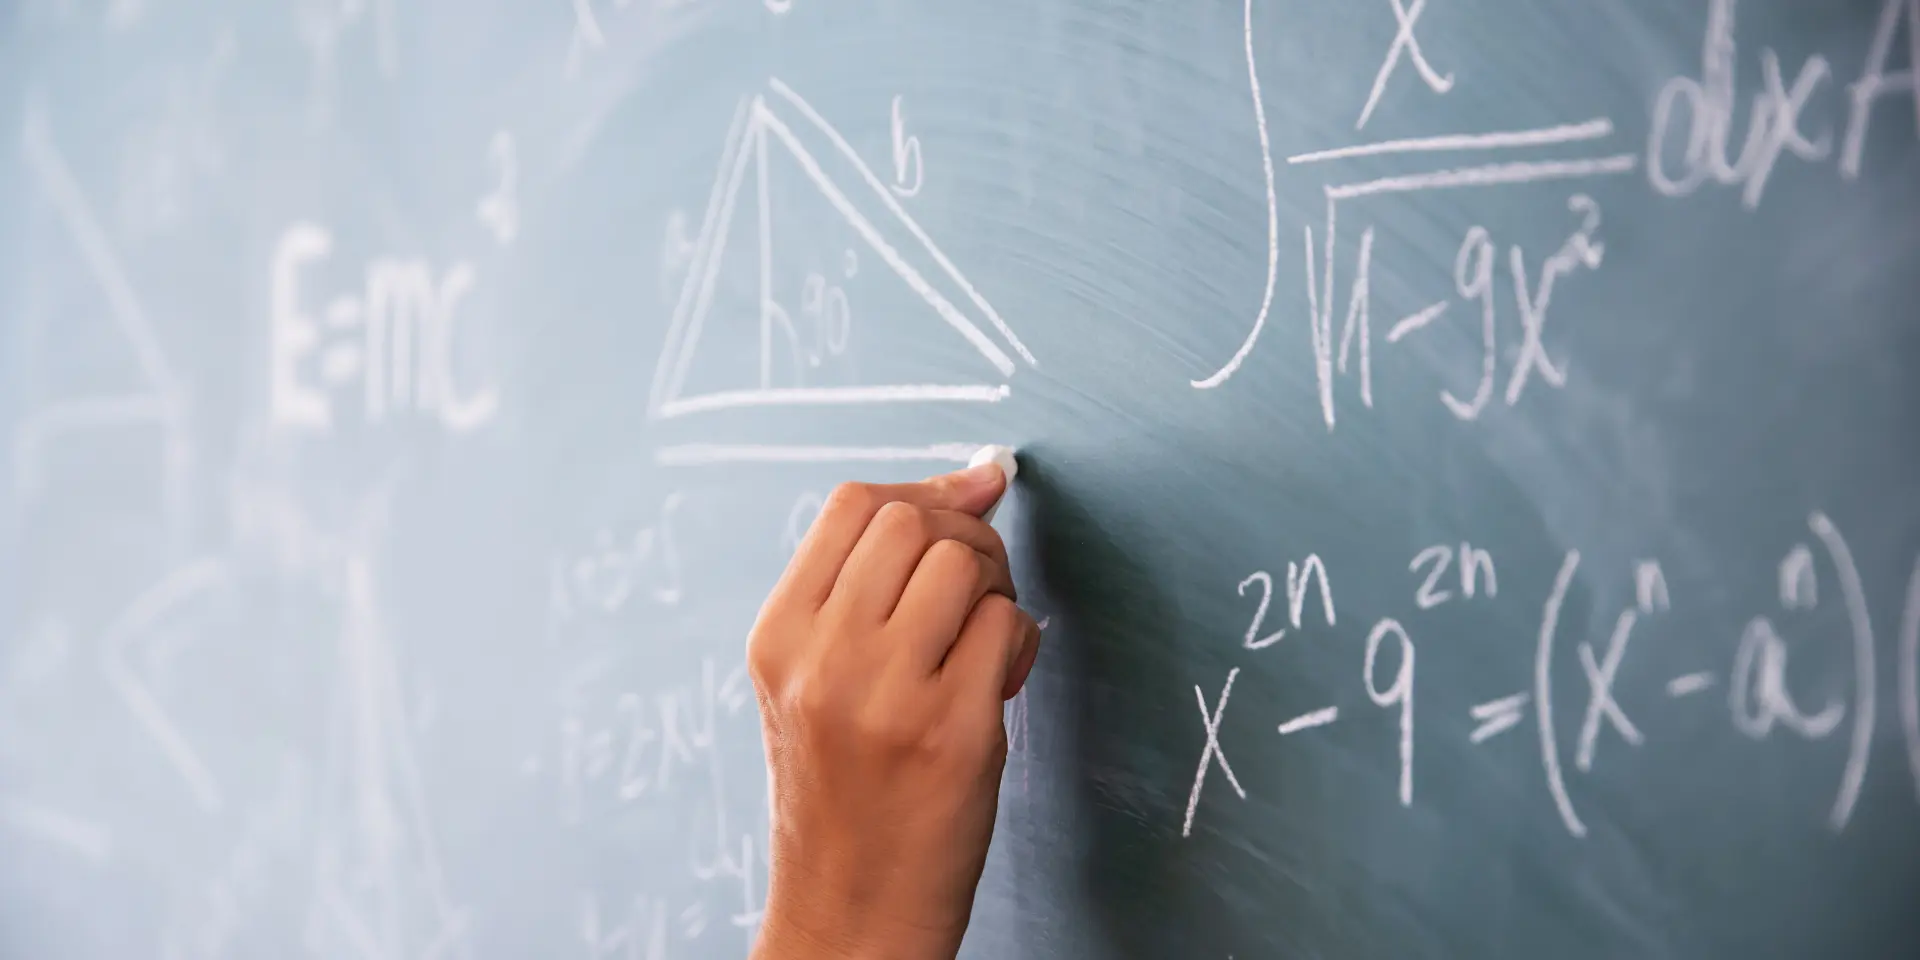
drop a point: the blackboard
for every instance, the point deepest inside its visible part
(1469, 463)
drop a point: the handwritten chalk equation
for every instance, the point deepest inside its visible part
(1477, 286)
(1355, 341)
(1754, 679)
(1694, 118)
(646, 926)
(1692, 123)
(619, 567)
(394, 341)
(616, 747)
(619, 748)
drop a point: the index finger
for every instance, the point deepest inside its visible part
(851, 507)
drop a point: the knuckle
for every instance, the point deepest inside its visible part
(891, 728)
(809, 694)
(901, 522)
(942, 484)
(999, 612)
(760, 660)
(955, 556)
(765, 664)
(855, 499)
(837, 619)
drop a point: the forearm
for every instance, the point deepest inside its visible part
(796, 934)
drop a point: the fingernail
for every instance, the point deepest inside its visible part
(979, 475)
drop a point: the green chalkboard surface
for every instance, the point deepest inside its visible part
(1470, 463)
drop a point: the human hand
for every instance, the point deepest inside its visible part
(881, 660)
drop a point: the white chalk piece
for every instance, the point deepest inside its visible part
(997, 454)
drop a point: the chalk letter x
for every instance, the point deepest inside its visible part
(1403, 39)
(1600, 702)
(1212, 750)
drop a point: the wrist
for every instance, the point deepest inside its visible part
(825, 933)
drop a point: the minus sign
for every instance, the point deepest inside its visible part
(1415, 321)
(1689, 684)
(1307, 721)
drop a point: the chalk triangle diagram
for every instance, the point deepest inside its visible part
(116, 382)
(748, 330)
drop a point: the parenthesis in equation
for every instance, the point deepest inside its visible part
(1864, 711)
(1543, 695)
(1910, 674)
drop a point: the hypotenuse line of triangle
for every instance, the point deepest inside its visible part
(160, 401)
(757, 126)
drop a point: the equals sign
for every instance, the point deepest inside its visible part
(1498, 716)
(693, 921)
(341, 362)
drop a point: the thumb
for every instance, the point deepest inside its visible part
(971, 491)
